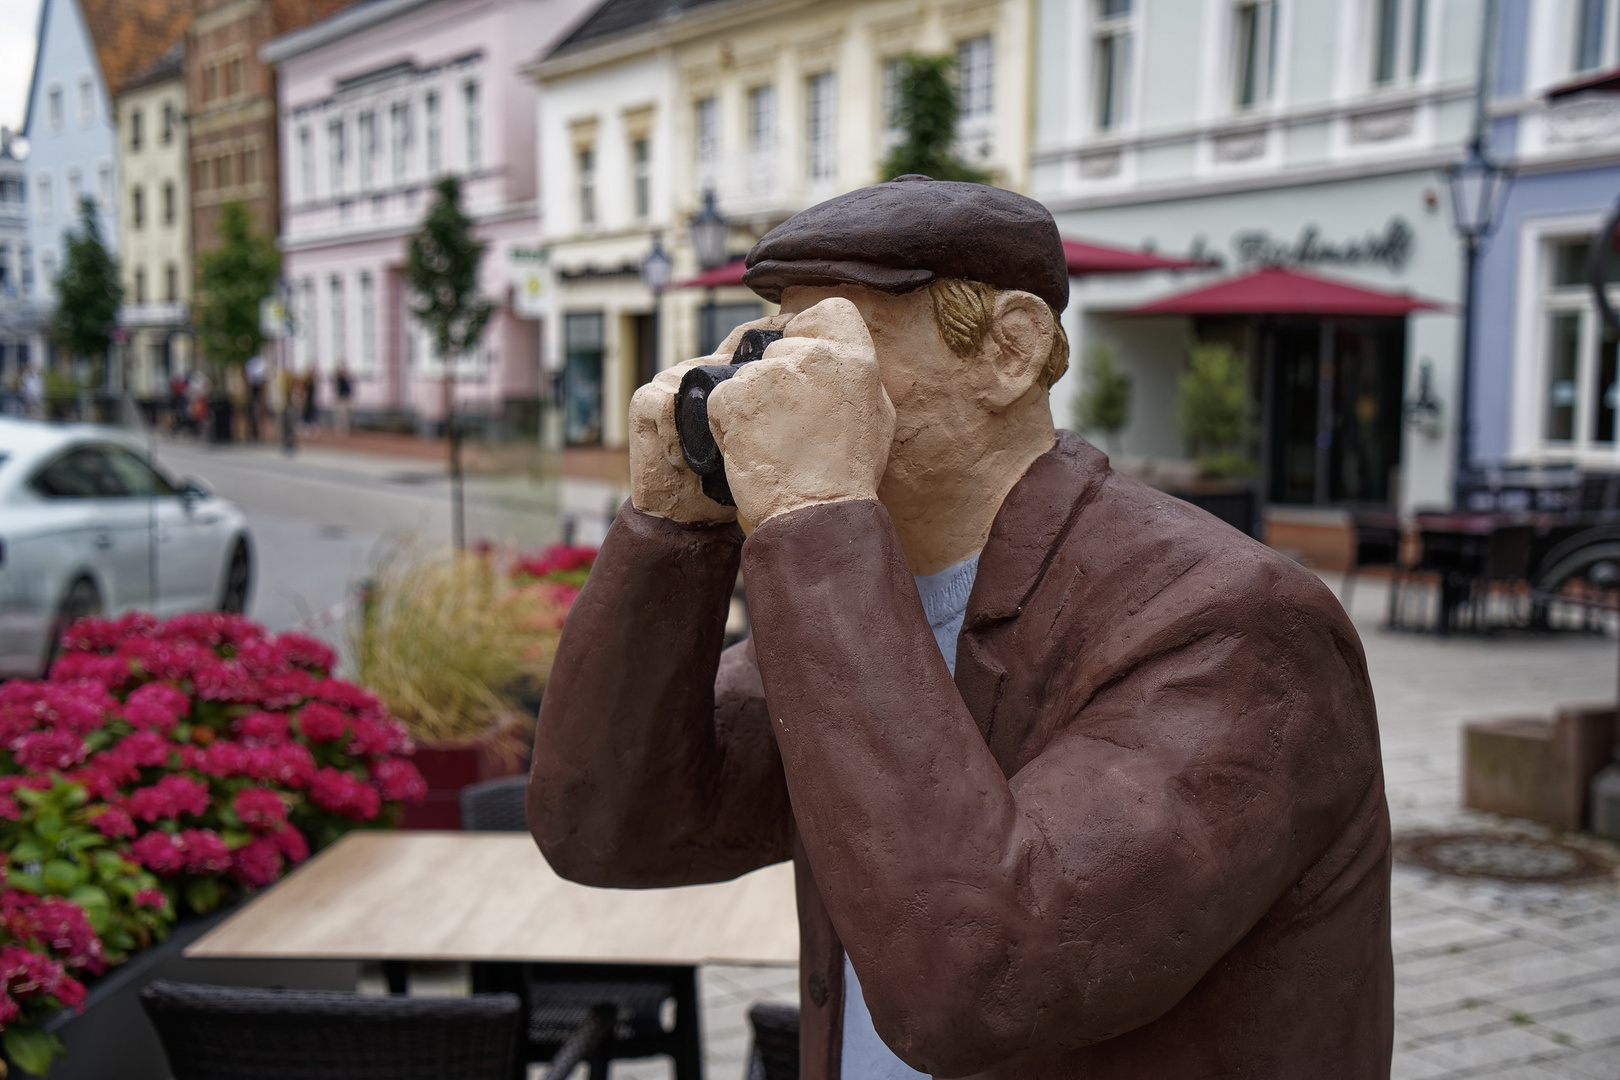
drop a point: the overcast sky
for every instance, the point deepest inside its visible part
(18, 19)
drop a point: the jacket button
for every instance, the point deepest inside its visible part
(818, 988)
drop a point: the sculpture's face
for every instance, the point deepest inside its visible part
(934, 390)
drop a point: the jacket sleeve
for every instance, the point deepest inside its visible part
(653, 758)
(993, 919)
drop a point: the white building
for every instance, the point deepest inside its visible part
(1306, 134)
(18, 315)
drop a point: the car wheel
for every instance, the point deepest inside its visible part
(238, 580)
(82, 600)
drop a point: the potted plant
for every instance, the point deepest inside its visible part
(459, 647)
(1216, 421)
(1103, 404)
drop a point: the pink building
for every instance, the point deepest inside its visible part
(376, 103)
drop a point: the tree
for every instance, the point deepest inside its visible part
(926, 110)
(88, 292)
(1215, 410)
(442, 267)
(231, 283)
(1104, 402)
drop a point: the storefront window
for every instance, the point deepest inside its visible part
(582, 378)
(715, 321)
(1579, 387)
(1111, 63)
(1564, 353)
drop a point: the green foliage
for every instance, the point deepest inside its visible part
(1215, 417)
(32, 1049)
(230, 284)
(928, 111)
(1104, 401)
(88, 292)
(442, 267)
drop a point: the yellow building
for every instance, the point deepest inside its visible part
(768, 106)
(154, 225)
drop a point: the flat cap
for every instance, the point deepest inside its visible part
(899, 236)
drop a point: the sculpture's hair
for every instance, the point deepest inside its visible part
(964, 310)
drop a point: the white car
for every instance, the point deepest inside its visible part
(89, 524)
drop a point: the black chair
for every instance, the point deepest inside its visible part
(236, 1033)
(775, 1053)
(495, 805)
(1378, 543)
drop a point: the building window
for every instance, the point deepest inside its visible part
(336, 154)
(431, 109)
(1111, 63)
(135, 131)
(306, 162)
(47, 268)
(140, 284)
(233, 76)
(762, 139)
(222, 171)
(1580, 387)
(368, 150)
(210, 89)
(53, 107)
(305, 342)
(75, 189)
(171, 283)
(585, 161)
(891, 96)
(339, 323)
(87, 100)
(641, 162)
(137, 207)
(168, 123)
(168, 202)
(104, 184)
(399, 143)
(1254, 52)
(25, 256)
(706, 140)
(250, 165)
(475, 125)
(820, 132)
(1398, 40)
(5, 268)
(583, 350)
(975, 77)
(368, 318)
(43, 196)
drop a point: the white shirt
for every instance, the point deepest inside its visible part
(865, 1056)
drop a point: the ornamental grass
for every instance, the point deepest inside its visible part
(162, 768)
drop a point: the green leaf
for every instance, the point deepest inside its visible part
(202, 894)
(26, 851)
(31, 1049)
(28, 883)
(62, 876)
(236, 838)
(88, 896)
(78, 845)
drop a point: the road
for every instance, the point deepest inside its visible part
(322, 519)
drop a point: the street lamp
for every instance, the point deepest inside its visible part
(655, 268)
(1479, 187)
(709, 231)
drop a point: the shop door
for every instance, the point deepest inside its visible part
(1335, 410)
(582, 378)
(646, 337)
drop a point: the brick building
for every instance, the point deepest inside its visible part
(233, 109)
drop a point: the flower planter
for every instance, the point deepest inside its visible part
(450, 766)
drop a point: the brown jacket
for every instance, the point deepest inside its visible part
(1142, 834)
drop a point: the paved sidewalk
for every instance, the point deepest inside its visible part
(1493, 982)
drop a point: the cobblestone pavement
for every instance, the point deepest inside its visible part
(1493, 981)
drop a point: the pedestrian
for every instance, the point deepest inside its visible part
(292, 402)
(257, 371)
(33, 391)
(310, 407)
(198, 387)
(178, 418)
(343, 390)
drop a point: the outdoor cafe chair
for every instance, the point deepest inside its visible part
(239, 1033)
(495, 805)
(775, 1053)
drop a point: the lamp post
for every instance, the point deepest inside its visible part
(709, 236)
(655, 269)
(1479, 187)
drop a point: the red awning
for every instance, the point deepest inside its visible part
(1084, 259)
(1276, 291)
(1600, 82)
(719, 278)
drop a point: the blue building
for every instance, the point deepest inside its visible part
(1545, 386)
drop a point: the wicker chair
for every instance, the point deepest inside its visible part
(234, 1033)
(495, 805)
(775, 1053)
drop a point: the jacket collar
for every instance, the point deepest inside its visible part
(1035, 515)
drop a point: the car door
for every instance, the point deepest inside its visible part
(188, 534)
(111, 529)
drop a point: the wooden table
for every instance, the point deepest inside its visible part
(492, 897)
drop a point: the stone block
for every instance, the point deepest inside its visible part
(1535, 767)
(1606, 802)
(1585, 736)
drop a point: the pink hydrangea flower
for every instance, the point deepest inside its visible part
(399, 780)
(260, 809)
(205, 853)
(158, 852)
(322, 723)
(258, 863)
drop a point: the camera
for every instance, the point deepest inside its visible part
(692, 413)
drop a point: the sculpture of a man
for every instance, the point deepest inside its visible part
(1078, 781)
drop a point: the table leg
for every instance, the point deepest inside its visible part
(398, 975)
(688, 1026)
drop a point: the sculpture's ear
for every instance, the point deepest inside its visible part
(1017, 347)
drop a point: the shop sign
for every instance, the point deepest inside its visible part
(530, 268)
(1391, 248)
